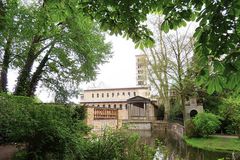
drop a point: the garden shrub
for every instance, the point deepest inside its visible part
(119, 145)
(49, 132)
(206, 123)
(191, 129)
(230, 112)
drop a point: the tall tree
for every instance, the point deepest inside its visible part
(168, 61)
(216, 39)
(54, 44)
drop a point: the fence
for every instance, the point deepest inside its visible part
(105, 113)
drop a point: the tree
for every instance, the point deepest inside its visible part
(217, 37)
(65, 46)
(168, 61)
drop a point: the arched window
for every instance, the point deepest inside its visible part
(109, 106)
(120, 106)
(193, 113)
(97, 95)
(115, 106)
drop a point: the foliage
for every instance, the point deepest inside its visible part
(176, 111)
(53, 131)
(47, 130)
(168, 61)
(59, 48)
(206, 123)
(230, 112)
(216, 38)
(191, 129)
(118, 145)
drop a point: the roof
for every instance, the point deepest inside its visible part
(104, 89)
(138, 99)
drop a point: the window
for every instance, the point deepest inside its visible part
(134, 93)
(126, 106)
(129, 93)
(107, 94)
(104, 105)
(92, 95)
(97, 95)
(115, 106)
(112, 94)
(98, 106)
(117, 94)
(120, 106)
(102, 95)
(109, 106)
(123, 93)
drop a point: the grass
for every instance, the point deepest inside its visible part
(215, 143)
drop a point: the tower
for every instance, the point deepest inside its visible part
(141, 68)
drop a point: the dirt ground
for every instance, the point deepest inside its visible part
(7, 151)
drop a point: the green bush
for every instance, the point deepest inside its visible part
(191, 129)
(49, 131)
(206, 124)
(119, 145)
(230, 112)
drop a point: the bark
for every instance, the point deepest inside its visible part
(24, 76)
(5, 65)
(38, 74)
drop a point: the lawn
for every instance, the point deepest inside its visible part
(215, 143)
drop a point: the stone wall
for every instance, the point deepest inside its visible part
(138, 125)
(177, 128)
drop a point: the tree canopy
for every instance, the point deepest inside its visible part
(59, 48)
(216, 39)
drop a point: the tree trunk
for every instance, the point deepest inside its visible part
(24, 76)
(5, 65)
(38, 73)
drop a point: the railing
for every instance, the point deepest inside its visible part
(105, 113)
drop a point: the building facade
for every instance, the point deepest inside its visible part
(141, 69)
(112, 97)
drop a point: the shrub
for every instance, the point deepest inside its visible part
(191, 129)
(119, 145)
(230, 112)
(49, 131)
(206, 123)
